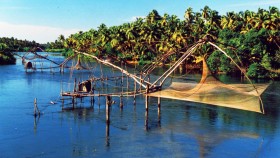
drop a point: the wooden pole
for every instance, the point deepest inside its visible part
(147, 98)
(147, 120)
(134, 95)
(73, 98)
(62, 100)
(99, 98)
(36, 110)
(35, 104)
(75, 85)
(159, 110)
(91, 92)
(121, 101)
(108, 104)
(73, 102)
(107, 134)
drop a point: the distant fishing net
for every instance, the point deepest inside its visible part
(211, 91)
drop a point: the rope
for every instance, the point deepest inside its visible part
(242, 72)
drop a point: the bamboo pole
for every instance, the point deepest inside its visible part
(177, 63)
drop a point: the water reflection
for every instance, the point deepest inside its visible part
(179, 129)
(107, 135)
(36, 122)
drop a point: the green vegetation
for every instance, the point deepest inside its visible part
(9, 45)
(6, 57)
(56, 46)
(251, 38)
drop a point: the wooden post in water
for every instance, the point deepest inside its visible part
(99, 98)
(147, 98)
(62, 102)
(73, 98)
(75, 85)
(60, 69)
(108, 104)
(92, 97)
(36, 110)
(73, 102)
(134, 95)
(107, 134)
(147, 120)
(159, 110)
(121, 101)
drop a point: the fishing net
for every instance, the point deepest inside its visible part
(213, 92)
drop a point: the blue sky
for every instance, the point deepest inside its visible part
(44, 20)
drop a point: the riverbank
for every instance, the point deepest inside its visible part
(7, 58)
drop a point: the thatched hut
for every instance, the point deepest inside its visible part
(85, 86)
(28, 65)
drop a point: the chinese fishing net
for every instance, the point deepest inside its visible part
(211, 91)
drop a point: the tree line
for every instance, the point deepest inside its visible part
(251, 38)
(9, 45)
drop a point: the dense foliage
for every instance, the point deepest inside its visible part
(251, 38)
(9, 45)
(56, 46)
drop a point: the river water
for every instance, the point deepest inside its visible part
(184, 129)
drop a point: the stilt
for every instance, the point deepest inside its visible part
(36, 110)
(81, 99)
(108, 104)
(147, 120)
(147, 99)
(73, 102)
(91, 101)
(107, 134)
(159, 110)
(92, 92)
(121, 101)
(99, 98)
(75, 85)
(62, 102)
(134, 95)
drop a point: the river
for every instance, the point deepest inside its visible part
(184, 129)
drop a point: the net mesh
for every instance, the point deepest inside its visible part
(213, 92)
